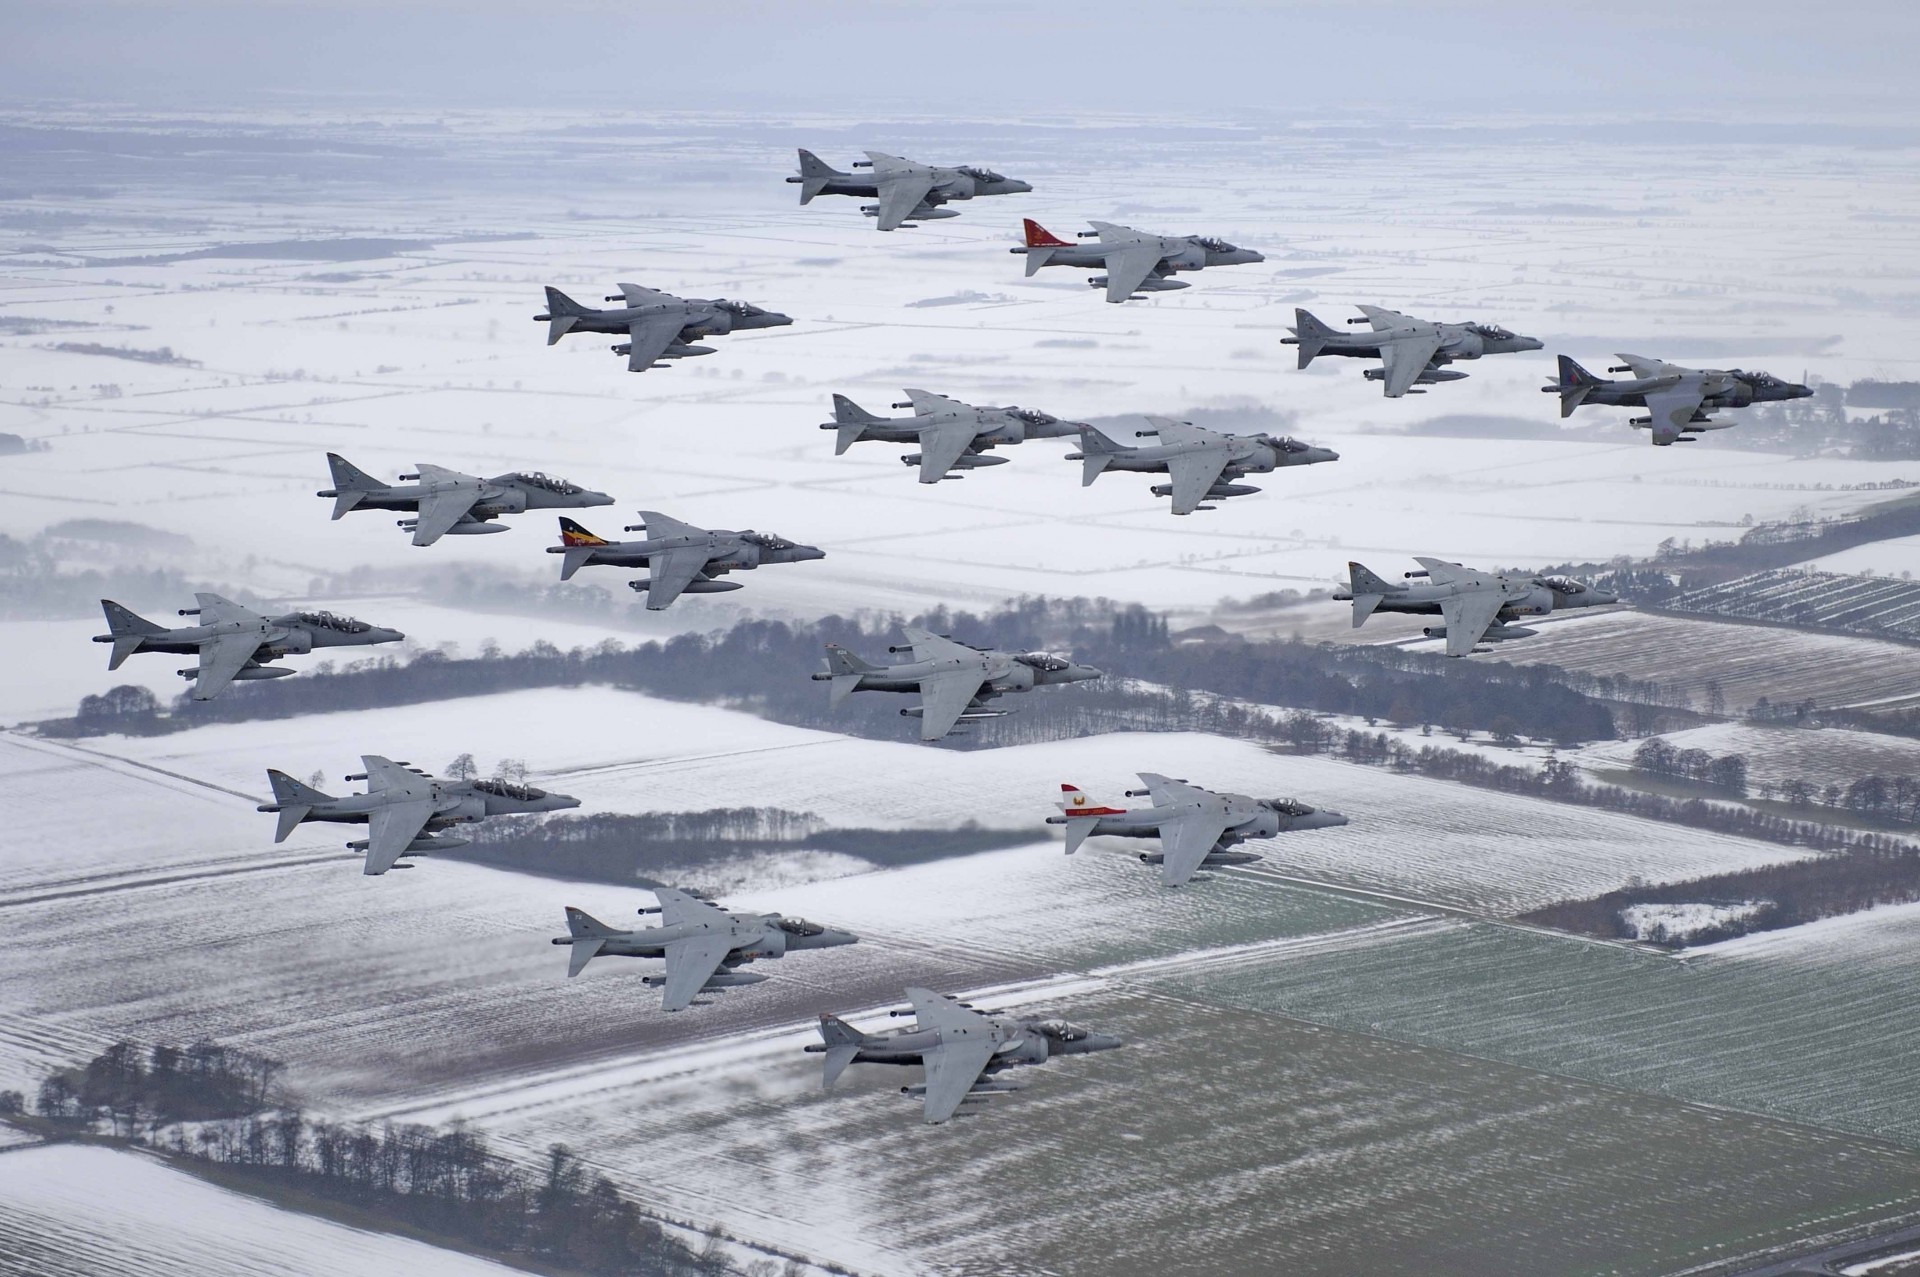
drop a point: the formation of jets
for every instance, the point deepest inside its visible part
(1474, 607)
(955, 681)
(679, 558)
(1196, 827)
(403, 808)
(963, 1051)
(233, 642)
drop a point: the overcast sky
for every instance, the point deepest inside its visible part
(1679, 57)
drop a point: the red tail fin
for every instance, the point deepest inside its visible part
(1039, 236)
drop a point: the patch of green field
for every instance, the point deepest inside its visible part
(1795, 1030)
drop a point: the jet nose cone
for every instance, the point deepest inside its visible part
(1251, 257)
(1103, 1042)
(1330, 819)
(558, 802)
(1532, 343)
(774, 319)
(1019, 187)
(597, 498)
(839, 938)
(807, 553)
(1085, 673)
(1802, 392)
(1316, 455)
(387, 636)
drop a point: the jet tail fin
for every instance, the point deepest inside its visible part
(845, 670)
(1082, 812)
(126, 628)
(1041, 244)
(1367, 590)
(843, 1043)
(1312, 334)
(1096, 451)
(577, 546)
(853, 421)
(815, 175)
(294, 801)
(588, 934)
(350, 483)
(1575, 384)
(562, 314)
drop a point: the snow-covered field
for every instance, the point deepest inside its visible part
(1775, 755)
(73, 1211)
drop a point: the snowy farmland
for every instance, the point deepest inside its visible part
(73, 1211)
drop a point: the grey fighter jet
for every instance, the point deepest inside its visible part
(954, 680)
(1196, 827)
(1474, 605)
(1200, 464)
(950, 435)
(657, 326)
(702, 943)
(404, 809)
(906, 192)
(679, 558)
(1412, 352)
(963, 1050)
(1135, 262)
(233, 642)
(1677, 399)
(446, 502)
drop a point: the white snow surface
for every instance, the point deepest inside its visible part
(69, 1210)
(1667, 922)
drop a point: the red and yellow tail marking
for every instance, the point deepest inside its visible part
(572, 533)
(1039, 236)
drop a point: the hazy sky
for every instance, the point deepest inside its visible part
(1691, 57)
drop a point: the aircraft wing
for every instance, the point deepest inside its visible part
(926, 402)
(952, 1069)
(650, 338)
(221, 659)
(671, 572)
(1186, 840)
(1443, 572)
(1468, 616)
(900, 193)
(391, 828)
(215, 610)
(384, 776)
(1405, 358)
(690, 964)
(439, 511)
(928, 646)
(1192, 473)
(941, 446)
(944, 697)
(1644, 367)
(1165, 791)
(1128, 268)
(659, 525)
(1383, 319)
(635, 295)
(931, 1011)
(677, 906)
(1672, 409)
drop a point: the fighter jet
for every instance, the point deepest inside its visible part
(1135, 261)
(702, 943)
(1474, 605)
(404, 809)
(963, 1050)
(951, 435)
(1678, 400)
(231, 641)
(447, 502)
(907, 192)
(955, 680)
(1196, 826)
(1200, 464)
(1412, 351)
(679, 558)
(657, 326)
